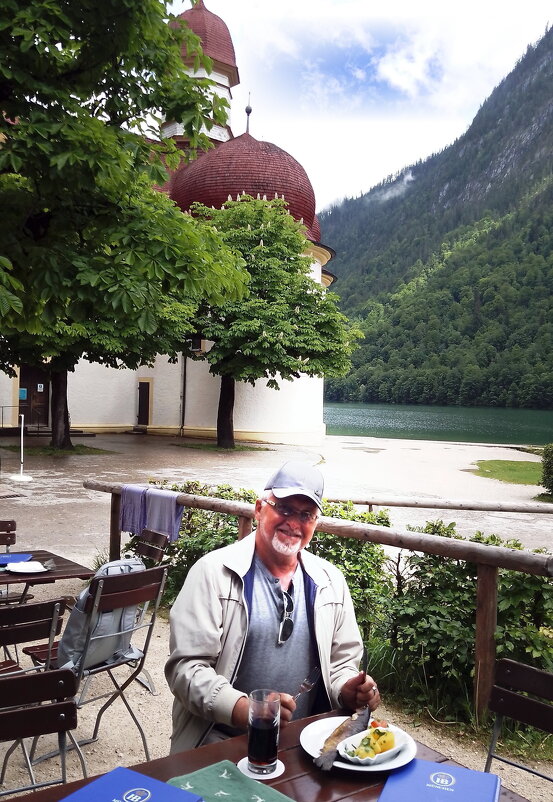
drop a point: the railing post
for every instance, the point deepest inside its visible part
(486, 621)
(114, 530)
(244, 526)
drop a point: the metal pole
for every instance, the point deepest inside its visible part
(21, 477)
(22, 422)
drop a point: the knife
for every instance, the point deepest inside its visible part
(363, 668)
(364, 661)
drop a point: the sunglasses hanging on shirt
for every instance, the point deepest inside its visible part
(286, 623)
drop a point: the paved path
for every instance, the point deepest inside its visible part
(55, 511)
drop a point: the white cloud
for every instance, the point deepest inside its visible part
(356, 90)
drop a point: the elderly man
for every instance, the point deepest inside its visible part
(261, 613)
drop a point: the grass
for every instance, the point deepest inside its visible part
(512, 471)
(48, 451)
(215, 447)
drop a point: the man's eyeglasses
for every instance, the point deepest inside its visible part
(304, 516)
(286, 624)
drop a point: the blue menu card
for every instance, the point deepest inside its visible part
(13, 557)
(126, 785)
(424, 781)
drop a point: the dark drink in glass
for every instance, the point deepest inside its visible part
(263, 731)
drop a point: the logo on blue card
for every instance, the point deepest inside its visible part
(442, 779)
(136, 795)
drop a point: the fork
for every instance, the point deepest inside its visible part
(309, 682)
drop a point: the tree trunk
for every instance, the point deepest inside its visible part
(225, 412)
(60, 412)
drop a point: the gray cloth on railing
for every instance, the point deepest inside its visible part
(132, 517)
(163, 514)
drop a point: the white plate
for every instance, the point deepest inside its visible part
(315, 734)
(26, 568)
(353, 742)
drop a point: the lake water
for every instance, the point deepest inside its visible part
(460, 424)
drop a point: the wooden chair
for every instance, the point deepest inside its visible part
(7, 539)
(150, 545)
(141, 590)
(27, 623)
(513, 696)
(7, 534)
(39, 704)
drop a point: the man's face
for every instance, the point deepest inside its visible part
(284, 526)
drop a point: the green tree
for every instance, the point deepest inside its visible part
(547, 467)
(288, 325)
(95, 262)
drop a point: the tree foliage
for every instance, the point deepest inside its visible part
(95, 262)
(473, 326)
(288, 325)
(547, 467)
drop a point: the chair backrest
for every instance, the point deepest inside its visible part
(513, 695)
(108, 624)
(39, 703)
(150, 545)
(139, 592)
(26, 623)
(7, 534)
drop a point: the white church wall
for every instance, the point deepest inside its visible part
(202, 397)
(292, 414)
(165, 393)
(296, 409)
(102, 398)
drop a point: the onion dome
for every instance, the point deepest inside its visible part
(246, 165)
(216, 40)
(316, 230)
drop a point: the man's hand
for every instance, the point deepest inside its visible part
(287, 707)
(240, 711)
(360, 691)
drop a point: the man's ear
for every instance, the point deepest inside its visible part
(258, 505)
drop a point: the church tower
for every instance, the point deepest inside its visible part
(217, 44)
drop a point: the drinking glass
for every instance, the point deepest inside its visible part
(263, 730)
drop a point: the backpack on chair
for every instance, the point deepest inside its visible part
(110, 624)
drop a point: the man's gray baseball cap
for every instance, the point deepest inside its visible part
(297, 479)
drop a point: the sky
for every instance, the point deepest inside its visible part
(357, 90)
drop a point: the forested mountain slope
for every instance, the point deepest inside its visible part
(449, 266)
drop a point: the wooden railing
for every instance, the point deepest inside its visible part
(489, 559)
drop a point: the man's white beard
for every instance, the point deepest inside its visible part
(287, 549)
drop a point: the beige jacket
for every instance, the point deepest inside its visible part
(209, 623)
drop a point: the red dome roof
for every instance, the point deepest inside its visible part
(246, 165)
(215, 36)
(316, 230)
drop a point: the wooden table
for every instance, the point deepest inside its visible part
(302, 781)
(63, 569)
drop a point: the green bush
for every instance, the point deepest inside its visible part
(428, 654)
(547, 468)
(363, 565)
